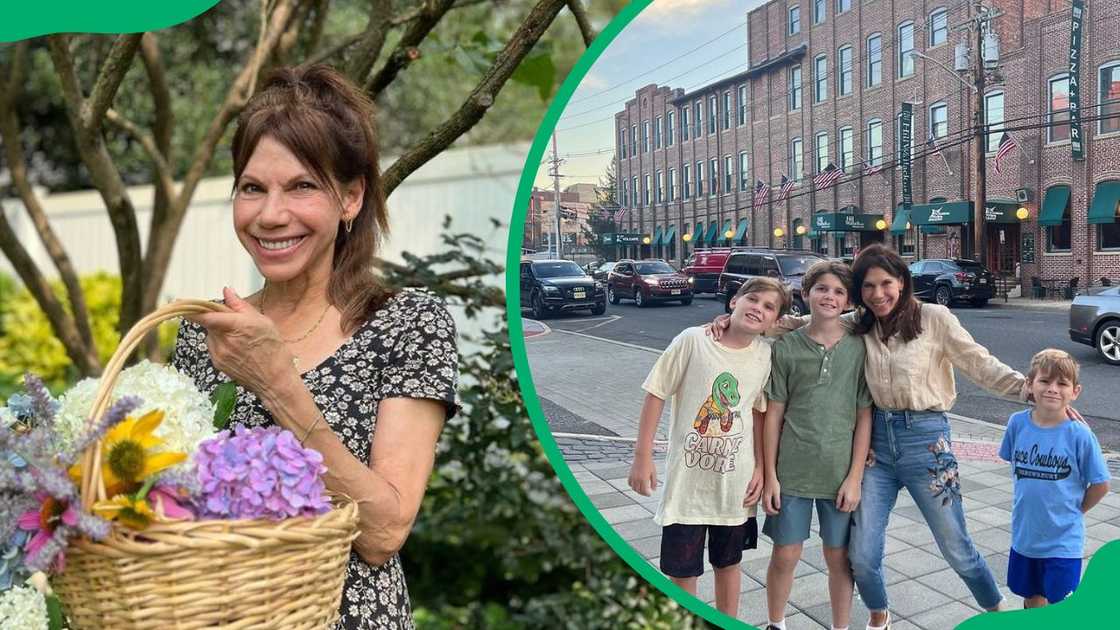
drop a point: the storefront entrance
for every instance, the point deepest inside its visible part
(1003, 247)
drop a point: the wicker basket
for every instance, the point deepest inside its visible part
(203, 574)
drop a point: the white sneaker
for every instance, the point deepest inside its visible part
(886, 625)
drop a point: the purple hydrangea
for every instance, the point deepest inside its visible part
(259, 473)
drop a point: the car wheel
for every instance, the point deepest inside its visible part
(640, 299)
(686, 301)
(1108, 341)
(944, 295)
(612, 296)
(599, 309)
(796, 308)
(980, 303)
(539, 310)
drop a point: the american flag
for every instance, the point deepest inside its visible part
(829, 176)
(784, 191)
(1006, 144)
(760, 192)
(878, 168)
(618, 215)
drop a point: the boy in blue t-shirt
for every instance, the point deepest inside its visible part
(1059, 474)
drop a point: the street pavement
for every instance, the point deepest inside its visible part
(590, 390)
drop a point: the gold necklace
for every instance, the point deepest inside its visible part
(295, 358)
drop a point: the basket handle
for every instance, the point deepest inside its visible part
(93, 486)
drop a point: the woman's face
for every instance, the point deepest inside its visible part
(284, 218)
(880, 291)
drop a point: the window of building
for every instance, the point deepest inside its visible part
(818, 11)
(713, 176)
(634, 140)
(1108, 236)
(898, 138)
(874, 60)
(713, 104)
(645, 190)
(699, 179)
(939, 120)
(847, 148)
(645, 136)
(795, 88)
(993, 117)
(820, 78)
(744, 105)
(794, 20)
(843, 5)
(621, 200)
(822, 151)
(728, 174)
(684, 123)
(874, 142)
(904, 243)
(796, 160)
(905, 43)
(672, 184)
(938, 26)
(727, 110)
(844, 71)
(670, 128)
(744, 171)
(635, 197)
(686, 181)
(622, 143)
(1058, 236)
(657, 132)
(698, 116)
(1109, 98)
(660, 187)
(1058, 109)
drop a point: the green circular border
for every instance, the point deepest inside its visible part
(517, 339)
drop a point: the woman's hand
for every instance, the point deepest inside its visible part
(246, 346)
(718, 326)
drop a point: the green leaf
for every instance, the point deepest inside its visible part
(537, 70)
(223, 398)
(55, 619)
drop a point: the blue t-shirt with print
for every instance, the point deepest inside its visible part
(1051, 468)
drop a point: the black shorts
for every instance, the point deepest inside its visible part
(682, 546)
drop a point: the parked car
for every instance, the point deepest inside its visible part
(784, 265)
(704, 267)
(946, 280)
(646, 281)
(1094, 320)
(601, 272)
(550, 286)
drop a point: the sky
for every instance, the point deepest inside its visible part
(651, 49)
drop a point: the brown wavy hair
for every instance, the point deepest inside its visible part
(328, 123)
(906, 318)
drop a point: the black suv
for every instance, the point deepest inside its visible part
(783, 265)
(549, 286)
(946, 280)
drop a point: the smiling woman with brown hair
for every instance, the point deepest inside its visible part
(364, 376)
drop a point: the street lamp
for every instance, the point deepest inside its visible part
(880, 224)
(728, 234)
(801, 230)
(1022, 214)
(779, 232)
(686, 237)
(646, 240)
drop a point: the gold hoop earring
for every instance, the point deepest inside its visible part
(349, 225)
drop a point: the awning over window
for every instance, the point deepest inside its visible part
(1105, 198)
(712, 233)
(742, 229)
(698, 233)
(845, 222)
(726, 228)
(669, 235)
(944, 213)
(901, 218)
(1001, 211)
(656, 237)
(1054, 205)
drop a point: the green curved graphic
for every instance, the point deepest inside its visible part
(1087, 605)
(32, 19)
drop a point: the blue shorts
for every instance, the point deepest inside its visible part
(682, 546)
(790, 525)
(1053, 578)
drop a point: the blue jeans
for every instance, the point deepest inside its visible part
(912, 451)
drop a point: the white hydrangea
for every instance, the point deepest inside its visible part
(188, 414)
(23, 608)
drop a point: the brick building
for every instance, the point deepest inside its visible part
(575, 211)
(824, 83)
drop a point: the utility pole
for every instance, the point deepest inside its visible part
(556, 191)
(979, 145)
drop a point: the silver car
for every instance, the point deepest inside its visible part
(1094, 320)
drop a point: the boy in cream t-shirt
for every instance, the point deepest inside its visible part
(714, 470)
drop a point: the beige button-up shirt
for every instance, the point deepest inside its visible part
(918, 375)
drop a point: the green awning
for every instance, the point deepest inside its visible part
(742, 229)
(669, 235)
(1054, 205)
(1001, 210)
(698, 233)
(901, 218)
(946, 213)
(726, 228)
(712, 233)
(845, 222)
(656, 237)
(1105, 197)
(932, 229)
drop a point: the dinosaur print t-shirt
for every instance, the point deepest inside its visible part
(711, 389)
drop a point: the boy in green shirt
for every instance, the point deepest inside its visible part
(815, 441)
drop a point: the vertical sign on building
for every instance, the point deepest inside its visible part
(905, 127)
(1075, 140)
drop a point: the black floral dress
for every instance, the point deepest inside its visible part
(406, 349)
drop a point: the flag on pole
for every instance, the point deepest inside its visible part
(621, 213)
(829, 176)
(1006, 144)
(786, 189)
(760, 192)
(931, 143)
(878, 168)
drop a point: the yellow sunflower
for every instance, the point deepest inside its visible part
(129, 453)
(126, 509)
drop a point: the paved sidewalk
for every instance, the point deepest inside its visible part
(600, 381)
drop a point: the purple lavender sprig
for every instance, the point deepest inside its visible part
(114, 415)
(43, 404)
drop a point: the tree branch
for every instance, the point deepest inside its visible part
(583, 21)
(148, 142)
(481, 98)
(109, 80)
(372, 40)
(406, 52)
